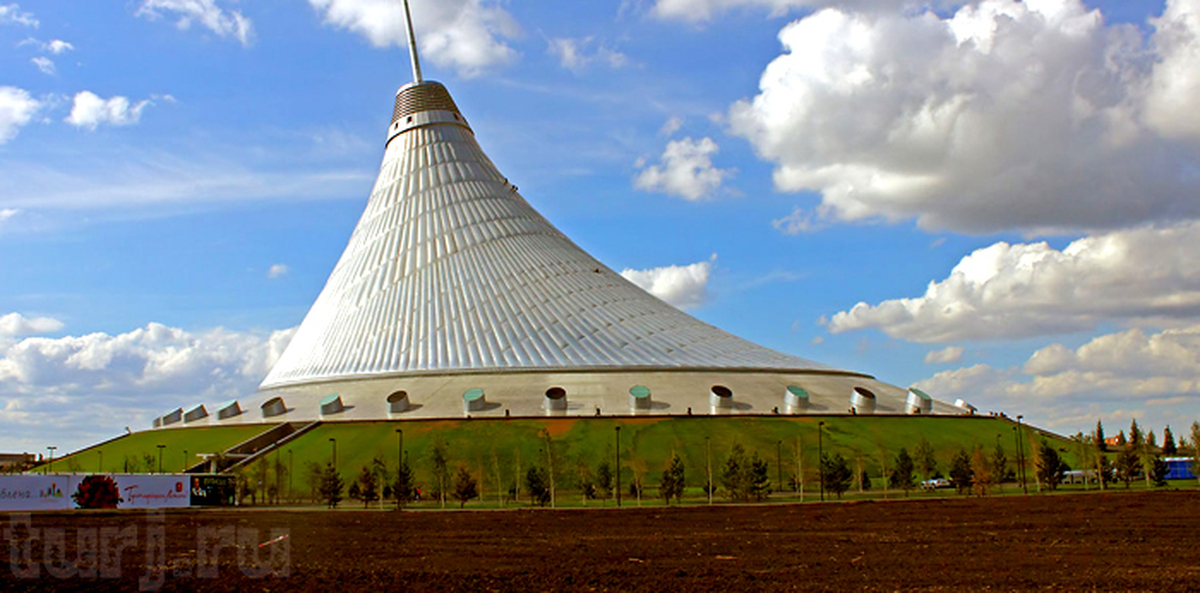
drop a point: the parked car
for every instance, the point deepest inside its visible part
(935, 483)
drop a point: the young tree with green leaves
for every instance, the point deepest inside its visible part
(961, 475)
(465, 487)
(1194, 439)
(999, 462)
(759, 478)
(902, 472)
(537, 482)
(836, 474)
(439, 461)
(734, 475)
(923, 457)
(604, 480)
(1127, 464)
(1050, 467)
(672, 482)
(331, 486)
(1158, 472)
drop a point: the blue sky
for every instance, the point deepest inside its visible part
(993, 200)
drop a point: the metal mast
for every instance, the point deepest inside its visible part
(412, 46)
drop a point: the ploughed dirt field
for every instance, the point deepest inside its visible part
(1122, 541)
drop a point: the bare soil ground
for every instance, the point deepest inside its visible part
(1119, 541)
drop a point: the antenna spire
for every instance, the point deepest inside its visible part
(412, 46)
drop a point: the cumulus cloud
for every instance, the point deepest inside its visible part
(469, 36)
(225, 23)
(944, 356)
(58, 47)
(277, 270)
(10, 14)
(1003, 115)
(15, 324)
(16, 109)
(1029, 289)
(97, 383)
(686, 170)
(1130, 372)
(90, 111)
(577, 54)
(7, 213)
(46, 65)
(685, 287)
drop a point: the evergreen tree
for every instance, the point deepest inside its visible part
(1168, 446)
(836, 474)
(537, 481)
(671, 485)
(926, 464)
(405, 487)
(1151, 440)
(960, 471)
(1121, 441)
(1158, 472)
(1107, 475)
(1050, 467)
(1127, 464)
(331, 486)
(465, 487)
(759, 478)
(368, 487)
(999, 462)
(604, 480)
(1135, 435)
(1100, 444)
(902, 472)
(734, 474)
(1194, 438)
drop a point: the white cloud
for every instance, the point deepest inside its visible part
(90, 111)
(58, 47)
(88, 387)
(1115, 375)
(1032, 115)
(46, 65)
(8, 213)
(685, 287)
(948, 355)
(277, 270)
(16, 109)
(686, 170)
(225, 23)
(1145, 275)
(672, 125)
(577, 54)
(15, 324)
(799, 221)
(467, 35)
(10, 14)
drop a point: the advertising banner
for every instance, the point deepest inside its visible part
(36, 493)
(153, 492)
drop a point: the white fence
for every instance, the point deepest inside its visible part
(29, 492)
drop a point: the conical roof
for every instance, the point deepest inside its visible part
(450, 270)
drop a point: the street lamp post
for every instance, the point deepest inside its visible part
(160, 450)
(708, 462)
(617, 470)
(185, 465)
(1021, 455)
(51, 463)
(100, 465)
(821, 459)
(291, 465)
(333, 460)
(779, 464)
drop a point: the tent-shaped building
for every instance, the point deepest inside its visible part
(455, 297)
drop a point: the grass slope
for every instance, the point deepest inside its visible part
(138, 452)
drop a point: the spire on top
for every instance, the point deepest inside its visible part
(412, 46)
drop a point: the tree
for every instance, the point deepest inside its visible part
(1151, 441)
(331, 486)
(1100, 444)
(902, 473)
(926, 464)
(1000, 465)
(313, 476)
(1105, 470)
(1195, 440)
(835, 474)
(1121, 440)
(465, 487)
(383, 477)
(1168, 446)
(733, 475)
(604, 480)
(1158, 472)
(960, 471)
(405, 487)
(671, 485)
(439, 463)
(1127, 464)
(537, 481)
(368, 487)
(759, 478)
(1135, 435)
(982, 473)
(1050, 467)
